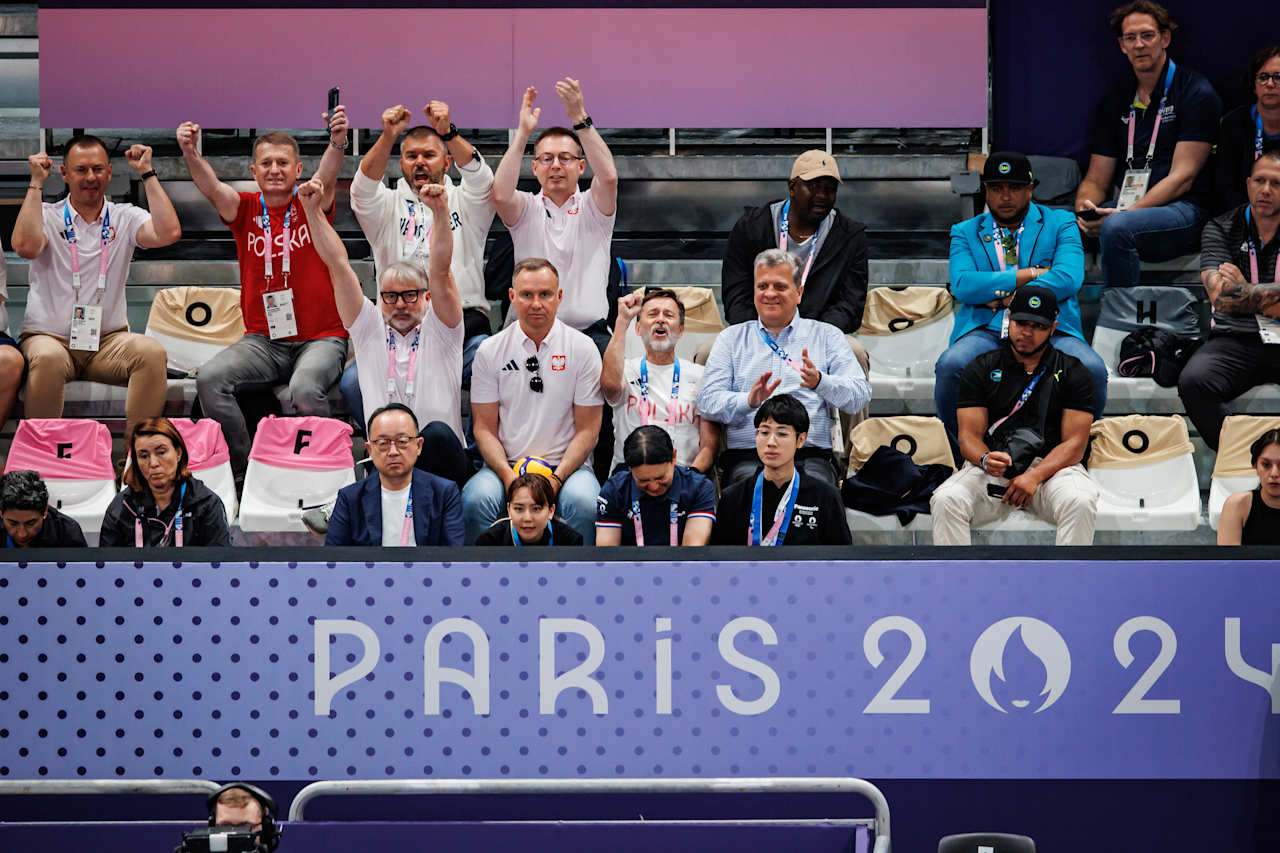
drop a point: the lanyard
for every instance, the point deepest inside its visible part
(784, 220)
(406, 530)
(635, 519)
(391, 362)
(1253, 251)
(1258, 135)
(1002, 238)
(270, 247)
(412, 226)
(1026, 395)
(75, 251)
(1155, 130)
(515, 537)
(673, 406)
(176, 524)
(781, 515)
(777, 350)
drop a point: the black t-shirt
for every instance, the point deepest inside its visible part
(57, 531)
(995, 380)
(818, 518)
(1191, 114)
(1233, 160)
(499, 533)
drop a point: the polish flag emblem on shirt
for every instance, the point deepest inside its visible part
(557, 362)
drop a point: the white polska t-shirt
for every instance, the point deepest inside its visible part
(683, 427)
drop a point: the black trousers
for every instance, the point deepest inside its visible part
(1221, 370)
(443, 455)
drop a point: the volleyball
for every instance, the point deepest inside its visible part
(533, 465)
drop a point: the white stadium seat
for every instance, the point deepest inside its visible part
(924, 439)
(904, 331)
(73, 457)
(194, 324)
(1232, 470)
(1145, 471)
(295, 463)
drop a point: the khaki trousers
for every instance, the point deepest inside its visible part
(1068, 499)
(123, 358)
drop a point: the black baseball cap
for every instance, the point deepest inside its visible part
(1008, 167)
(1033, 304)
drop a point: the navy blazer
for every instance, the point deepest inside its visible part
(437, 512)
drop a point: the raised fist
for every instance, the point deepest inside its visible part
(41, 165)
(338, 125)
(188, 136)
(395, 120)
(310, 192)
(139, 158)
(629, 307)
(435, 198)
(438, 115)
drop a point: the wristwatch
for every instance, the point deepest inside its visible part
(584, 124)
(453, 132)
(147, 174)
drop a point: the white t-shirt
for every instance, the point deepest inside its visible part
(393, 506)
(576, 238)
(437, 383)
(532, 423)
(383, 214)
(626, 409)
(53, 291)
(4, 297)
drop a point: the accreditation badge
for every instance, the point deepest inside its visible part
(86, 327)
(278, 305)
(1268, 329)
(1133, 187)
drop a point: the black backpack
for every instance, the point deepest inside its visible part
(1154, 352)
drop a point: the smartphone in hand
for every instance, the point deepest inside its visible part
(1088, 214)
(995, 490)
(333, 101)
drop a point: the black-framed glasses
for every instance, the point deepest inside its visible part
(390, 297)
(535, 381)
(401, 442)
(1264, 78)
(564, 158)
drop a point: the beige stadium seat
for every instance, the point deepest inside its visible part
(194, 324)
(904, 331)
(924, 439)
(702, 322)
(1144, 468)
(1232, 471)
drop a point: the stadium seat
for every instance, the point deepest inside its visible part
(905, 330)
(194, 324)
(294, 463)
(209, 459)
(924, 439)
(1123, 310)
(1144, 468)
(702, 322)
(73, 457)
(96, 400)
(1232, 471)
(986, 842)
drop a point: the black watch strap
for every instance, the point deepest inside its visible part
(453, 132)
(148, 174)
(584, 124)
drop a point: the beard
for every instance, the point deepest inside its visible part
(664, 345)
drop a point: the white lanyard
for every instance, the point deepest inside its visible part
(103, 257)
(1155, 130)
(391, 362)
(269, 249)
(784, 220)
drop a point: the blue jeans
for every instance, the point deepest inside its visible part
(1149, 234)
(956, 357)
(349, 385)
(484, 502)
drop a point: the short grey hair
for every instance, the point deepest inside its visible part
(405, 272)
(23, 490)
(779, 258)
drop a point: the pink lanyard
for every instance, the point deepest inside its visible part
(269, 250)
(391, 362)
(635, 518)
(175, 525)
(407, 529)
(1253, 252)
(1000, 246)
(1155, 130)
(103, 257)
(673, 405)
(411, 226)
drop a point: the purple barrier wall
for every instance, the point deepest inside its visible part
(639, 67)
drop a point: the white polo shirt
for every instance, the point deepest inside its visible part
(686, 421)
(437, 382)
(532, 423)
(384, 215)
(53, 292)
(576, 238)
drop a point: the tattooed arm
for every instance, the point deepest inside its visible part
(1230, 293)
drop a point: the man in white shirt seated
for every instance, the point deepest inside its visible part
(398, 225)
(641, 389)
(535, 392)
(400, 504)
(409, 347)
(570, 228)
(75, 325)
(780, 353)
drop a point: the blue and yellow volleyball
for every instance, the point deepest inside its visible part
(533, 465)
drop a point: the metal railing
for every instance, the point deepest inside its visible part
(782, 785)
(107, 786)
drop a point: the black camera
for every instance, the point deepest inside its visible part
(221, 839)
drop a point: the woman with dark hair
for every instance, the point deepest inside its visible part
(531, 517)
(161, 504)
(655, 501)
(1253, 518)
(1248, 130)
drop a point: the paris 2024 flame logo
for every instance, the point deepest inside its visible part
(1036, 638)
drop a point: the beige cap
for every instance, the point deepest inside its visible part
(815, 164)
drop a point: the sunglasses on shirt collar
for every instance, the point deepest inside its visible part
(535, 381)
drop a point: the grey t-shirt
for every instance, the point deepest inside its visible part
(805, 248)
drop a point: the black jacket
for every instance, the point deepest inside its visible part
(204, 519)
(836, 290)
(58, 531)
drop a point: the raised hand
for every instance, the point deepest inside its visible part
(435, 198)
(528, 112)
(41, 166)
(762, 389)
(188, 136)
(139, 158)
(437, 113)
(629, 307)
(310, 194)
(395, 120)
(809, 374)
(338, 126)
(571, 93)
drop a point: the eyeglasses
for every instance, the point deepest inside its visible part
(565, 159)
(1264, 78)
(1146, 37)
(535, 381)
(389, 297)
(401, 442)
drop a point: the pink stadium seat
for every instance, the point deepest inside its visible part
(73, 457)
(294, 463)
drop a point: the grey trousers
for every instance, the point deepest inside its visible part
(310, 369)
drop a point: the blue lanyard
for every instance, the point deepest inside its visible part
(176, 524)
(773, 345)
(780, 523)
(783, 225)
(1259, 135)
(269, 249)
(8, 541)
(515, 537)
(103, 258)
(1022, 401)
(673, 405)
